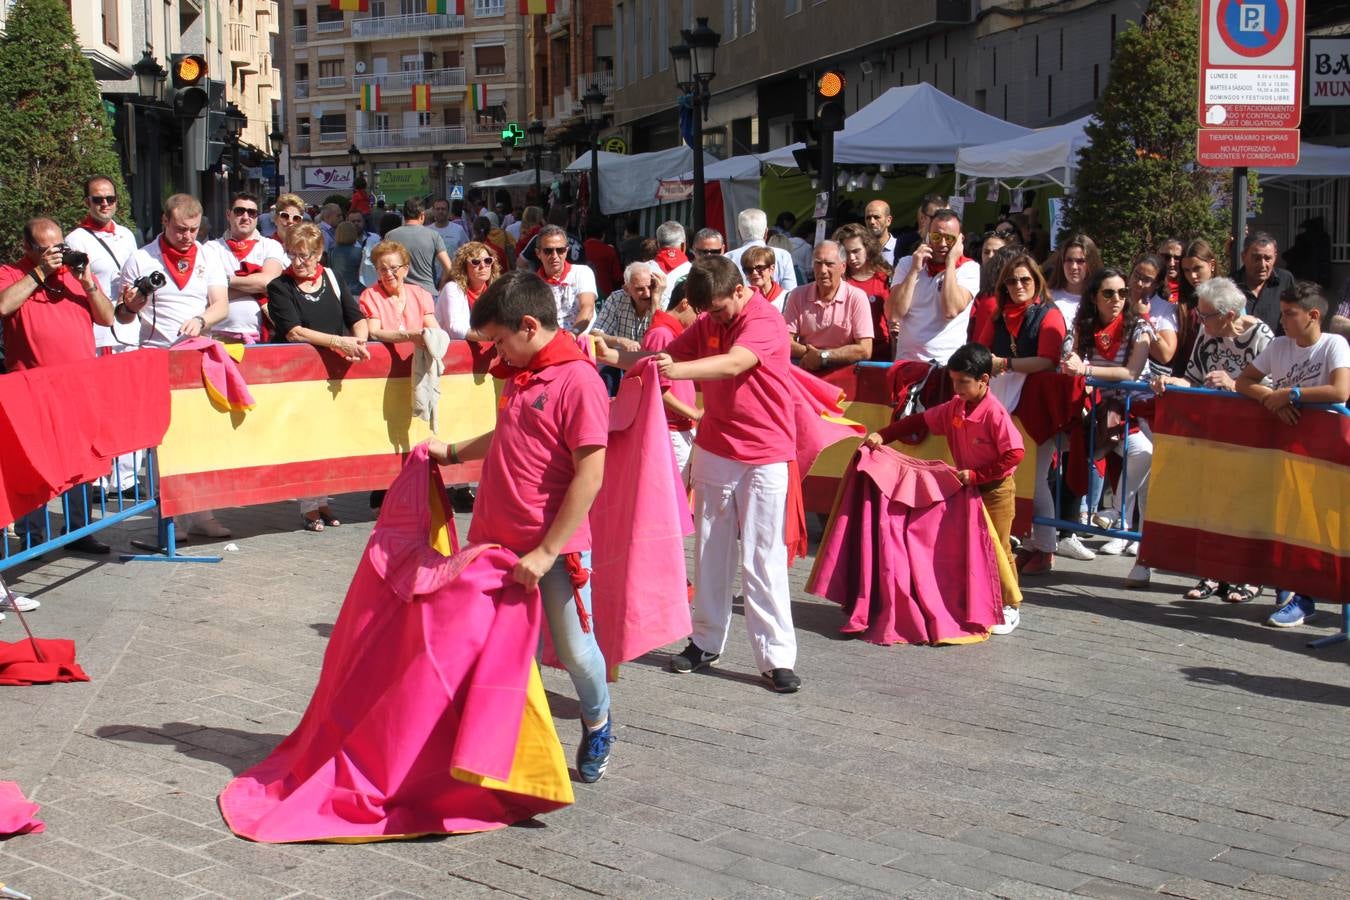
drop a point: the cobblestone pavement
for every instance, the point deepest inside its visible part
(1119, 743)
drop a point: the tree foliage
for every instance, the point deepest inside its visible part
(51, 114)
(1137, 179)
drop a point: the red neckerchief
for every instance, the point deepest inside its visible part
(1109, 337)
(777, 289)
(1173, 291)
(179, 265)
(670, 258)
(936, 269)
(562, 348)
(298, 279)
(561, 279)
(663, 319)
(471, 295)
(109, 227)
(240, 249)
(1013, 314)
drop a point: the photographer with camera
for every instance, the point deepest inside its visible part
(50, 302)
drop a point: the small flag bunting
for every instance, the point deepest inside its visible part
(370, 98)
(478, 97)
(538, 7)
(437, 7)
(421, 97)
(350, 5)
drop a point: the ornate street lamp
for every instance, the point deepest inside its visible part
(508, 147)
(593, 103)
(535, 135)
(695, 63)
(150, 78)
(276, 139)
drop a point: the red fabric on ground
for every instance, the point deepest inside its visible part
(19, 664)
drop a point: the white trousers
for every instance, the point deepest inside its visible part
(682, 442)
(736, 500)
(1132, 492)
(1043, 537)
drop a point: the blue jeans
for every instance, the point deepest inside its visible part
(577, 649)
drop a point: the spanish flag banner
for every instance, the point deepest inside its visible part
(538, 7)
(445, 7)
(478, 97)
(1239, 496)
(370, 98)
(421, 96)
(350, 5)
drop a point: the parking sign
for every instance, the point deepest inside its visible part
(1251, 64)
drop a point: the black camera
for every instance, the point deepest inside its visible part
(147, 284)
(74, 259)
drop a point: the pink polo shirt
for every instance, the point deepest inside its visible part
(979, 437)
(844, 320)
(747, 418)
(529, 466)
(417, 303)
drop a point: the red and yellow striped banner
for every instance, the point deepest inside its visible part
(1239, 496)
(320, 426)
(421, 96)
(350, 5)
(538, 7)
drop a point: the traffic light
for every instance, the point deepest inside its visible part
(829, 101)
(188, 73)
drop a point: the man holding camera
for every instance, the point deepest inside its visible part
(50, 302)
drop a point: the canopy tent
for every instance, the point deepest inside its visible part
(731, 183)
(629, 182)
(1046, 156)
(912, 125)
(522, 179)
(1314, 161)
(737, 168)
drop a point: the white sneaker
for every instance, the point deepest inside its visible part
(1133, 549)
(1073, 548)
(24, 604)
(1139, 576)
(1114, 547)
(1011, 619)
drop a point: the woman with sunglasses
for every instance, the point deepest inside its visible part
(475, 267)
(1171, 253)
(1110, 342)
(309, 305)
(760, 266)
(397, 310)
(289, 212)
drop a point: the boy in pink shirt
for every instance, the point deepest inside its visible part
(542, 468)
(985, 445)
(682, 412)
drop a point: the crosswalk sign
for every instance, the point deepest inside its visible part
(457, 192)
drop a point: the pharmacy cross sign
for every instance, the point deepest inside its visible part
(513, 133)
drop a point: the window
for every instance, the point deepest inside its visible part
(453, 116)
(377, 9)
(330, 68)
(647, 34)
(490, 60)
(328, 14)
(662, 39)
(110, 25)
(492, 117)
(450, 59)
(730, 20)
(333, 127)
(791, 7)
(489, 7)
(381, 122)
(748, 16)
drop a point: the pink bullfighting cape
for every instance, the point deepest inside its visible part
(429, 716)
(908, 553)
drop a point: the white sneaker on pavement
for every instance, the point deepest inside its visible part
(24, 604)
(1011, 619)
(1114, 547)
(1139, 576)
(1073, 548)
(1133, 549)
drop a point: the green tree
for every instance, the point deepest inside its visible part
(51, 114)
(1137, 179)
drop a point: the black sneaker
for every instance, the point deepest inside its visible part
(461, 499)
(782, 681)
(691, 659)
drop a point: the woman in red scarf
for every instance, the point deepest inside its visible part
(1170, 252)
(474, 267)
(869, 272)
(760, 265)
(310, 305)
(1111, 343)
(397, 311)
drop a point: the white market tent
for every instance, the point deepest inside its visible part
(738, 179)
(1046, 156)
(912, 125)
(1315, 161)
(629, 183)
(523, 179)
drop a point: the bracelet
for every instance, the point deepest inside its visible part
(201, 319)
(454, 454)
(36, 280)
(1295, 397)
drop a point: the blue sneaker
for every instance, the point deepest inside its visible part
(1293, 613)
(593, 752)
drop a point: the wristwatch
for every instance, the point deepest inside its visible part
(1295, 396)
(824, 357)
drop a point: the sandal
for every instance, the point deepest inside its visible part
(1242, 593)
(1205, 587)
(315, 524)
(328, 518)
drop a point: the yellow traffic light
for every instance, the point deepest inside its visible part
(831, 84)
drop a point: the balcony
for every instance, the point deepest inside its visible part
(602, 80)
(336, 26)
(300, 89)
(486, 132)
(397, 139)
(300, 35)
(394, 26)
(563, 107)
(333, 137)
(438, 79)
(332, 82)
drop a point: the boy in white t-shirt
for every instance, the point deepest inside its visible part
(1305, 366)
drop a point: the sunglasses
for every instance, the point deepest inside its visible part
(553, 251)
(937, 237)
(1171, 256)
(759, 270)
(1003, 233)
(1023, 281)
(109, 200)
(245, 211)
(290, 217)
(1114, 293)
(485, 261)
(704, 251)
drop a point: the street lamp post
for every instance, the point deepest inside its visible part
(535, 135)
(593, 102)
(150, 80)
(508, 147)
(695, 67)
(276, 139)
(354, 156)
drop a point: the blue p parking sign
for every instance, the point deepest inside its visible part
(1253, 28)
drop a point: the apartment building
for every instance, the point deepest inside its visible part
(572, 51)
(416, 69)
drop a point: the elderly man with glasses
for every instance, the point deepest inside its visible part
(829, 321)
(931, 292)
(250, 261)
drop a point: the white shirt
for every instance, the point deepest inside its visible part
(514, 230)
(784, 272)
(1290, 365)
(926, 334)
(107, 254)
(1067, 304)
(368, 274)
(888, 250)
(452, 233)
(452, 311)
(170, 306)
(801, 255)
(245, 312)
(674, 277)
(580, 280)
